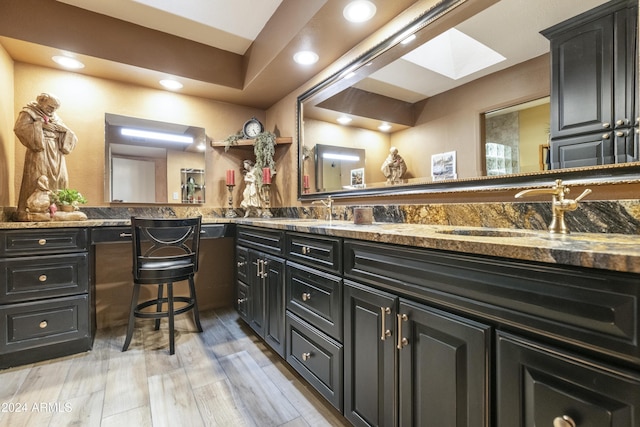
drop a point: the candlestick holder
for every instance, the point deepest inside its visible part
(266, 213)
(230, 212)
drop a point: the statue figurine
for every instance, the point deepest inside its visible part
(47, 140)
(393, 167)
(250, 196)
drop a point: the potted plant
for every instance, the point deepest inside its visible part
(67, 199)
(264, 148)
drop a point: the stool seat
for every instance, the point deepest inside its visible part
(165, 251)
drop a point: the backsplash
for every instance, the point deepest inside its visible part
(622, 216)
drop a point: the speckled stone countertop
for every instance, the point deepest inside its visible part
(610, 251)
(616, 252)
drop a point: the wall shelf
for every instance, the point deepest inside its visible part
(249, 142)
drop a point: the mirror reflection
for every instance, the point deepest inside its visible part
(430, 106)
(339, 167)
(153, 162)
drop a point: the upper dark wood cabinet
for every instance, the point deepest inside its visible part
(593, 87)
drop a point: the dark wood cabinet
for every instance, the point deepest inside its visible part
(593, 86)
(538, 385)
(45, 294)
(409, 364)
(261, 285)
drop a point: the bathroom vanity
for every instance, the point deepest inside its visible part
(398, 324)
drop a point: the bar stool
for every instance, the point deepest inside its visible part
(164, 251)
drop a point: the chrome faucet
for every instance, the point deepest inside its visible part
(329, 205)
(559, 204)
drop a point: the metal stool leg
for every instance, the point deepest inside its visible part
(132, 320)
(196, 313)
(159, 306)
(171, 316)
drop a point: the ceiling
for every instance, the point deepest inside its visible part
(236, 51)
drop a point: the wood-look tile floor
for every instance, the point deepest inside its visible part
(224, 376)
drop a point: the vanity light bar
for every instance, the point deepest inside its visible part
(159, 136)
(335, 156)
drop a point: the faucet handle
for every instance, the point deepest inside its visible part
(583, 195)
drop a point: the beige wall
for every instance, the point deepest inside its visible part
(534, 131)
(85, 100)
(7, 146)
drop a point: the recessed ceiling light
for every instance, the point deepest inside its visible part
(343, 120)
(305, 57)
(359, 11)
(68, 62)
(384, 127)
(171, 84)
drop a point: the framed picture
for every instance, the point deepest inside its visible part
(357, 177)
(443, 166)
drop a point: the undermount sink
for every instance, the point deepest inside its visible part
(483, 232)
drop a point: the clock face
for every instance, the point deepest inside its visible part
(252, 128)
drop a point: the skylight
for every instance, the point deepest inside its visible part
(454, 54)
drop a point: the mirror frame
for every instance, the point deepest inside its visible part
(621, 173)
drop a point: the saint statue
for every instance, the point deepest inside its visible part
(250, 196)
(393, 167)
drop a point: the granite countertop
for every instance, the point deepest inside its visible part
(617, 252)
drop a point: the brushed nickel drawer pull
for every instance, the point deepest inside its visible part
(306, 356)
(241, 300)
(306, 250)
(564, 421)
(125, 235)
(306, 296)
(43, 324)
(42, 242)
(42, 278)
(383, 323)
(401, 340)
(241, 263)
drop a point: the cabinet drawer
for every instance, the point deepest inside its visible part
(242, 263)
(316, 297)
(43, 241)
(28, 278)
(36, 324)
(316, 357)
(321, 252)
(587, 308)
(537, 384)
(270, 241)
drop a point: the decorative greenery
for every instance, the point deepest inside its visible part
(264, 147)
(67, 196)
(232, 140)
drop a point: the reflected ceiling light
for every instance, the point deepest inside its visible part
(202, 146)
(171, 84)
(409, 39)
(68, 62)
(336, 156)
(306, 57)
(349, 75)
(359, 11)
(343, 120)
(384, 127)
(158, 136)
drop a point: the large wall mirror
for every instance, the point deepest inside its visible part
(148, 161)
(486, 110)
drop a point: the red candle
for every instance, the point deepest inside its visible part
(231, 177)
(306, 181)
(266, 175)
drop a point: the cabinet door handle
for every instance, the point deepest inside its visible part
(606, 136)
(264, 269)
(384, 311)
(564, 421)
(306, 296)
(258, 263)
(123, 235)
(241, 263)
(306, 356)
(42, 242)
(42, 278)
(622, 122)
(401, 340)
(306, 250)
(621, 133)
(43, 324)
(606, 125)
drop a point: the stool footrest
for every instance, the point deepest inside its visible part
(161, 314)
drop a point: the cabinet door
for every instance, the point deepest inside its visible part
(626, 145)
(273, 272)
(537, 385)
(369, 356)
(582, 78)
(586, 150)
(443, 368)
(256, 292)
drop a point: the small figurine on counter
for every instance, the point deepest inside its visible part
(393, 167)
(250, 196)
